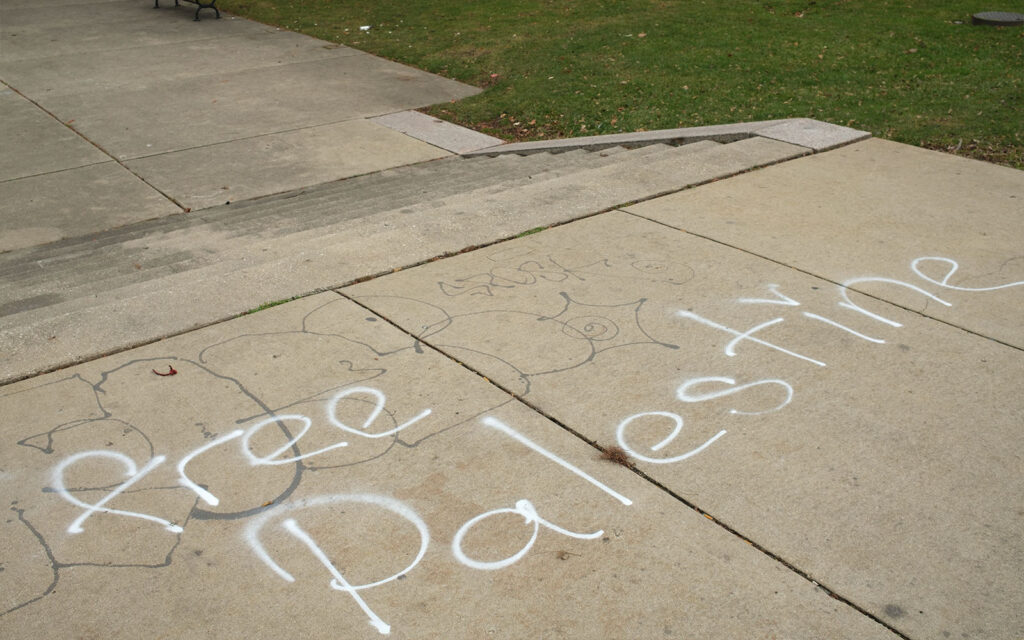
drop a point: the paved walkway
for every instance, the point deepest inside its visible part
(114, 112)
(806, 378)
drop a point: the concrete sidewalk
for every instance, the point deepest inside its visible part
(803, 361)
(815, 368)
(114, 112)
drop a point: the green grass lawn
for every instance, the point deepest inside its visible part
(914, 71)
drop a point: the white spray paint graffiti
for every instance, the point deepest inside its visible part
(270, 459)
(133, 473)
(529, 513)
(730, 348)
(498, 425)
(784, 300)
(377, 408)
(620, 437)
(844, 291)
(684, 395)
(781, 299)
(185, 481)
(833, 323)
(287, 516)
(273, 459)
(915, 266)
(338, 582)
(290, 525)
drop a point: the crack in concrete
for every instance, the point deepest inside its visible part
(828, 280)
(514, 397)
(99, 148)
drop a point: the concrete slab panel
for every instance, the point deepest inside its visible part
(65, 15)
(883, 461)
(137, 25)
(874, 210)
(437, 132)
(201, 111)
(452, 512)
(66, 204)
(275, 267)
(209, 176)
(813, 134)
(19, 4)
(33, 142)
(104, 71)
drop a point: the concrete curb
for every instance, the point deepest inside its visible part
(445, 135)
(805, 132)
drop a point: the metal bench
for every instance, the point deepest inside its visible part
(199, 4)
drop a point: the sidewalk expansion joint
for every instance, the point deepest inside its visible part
(335, 287)
(830, 281)
(642, 474)
(54, 172)
(99, 148)
(244, 138)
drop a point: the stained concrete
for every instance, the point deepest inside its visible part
(471, 531)
(66, 204)
(883, 463)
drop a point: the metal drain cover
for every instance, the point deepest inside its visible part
(998, 18)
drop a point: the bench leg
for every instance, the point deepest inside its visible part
(202, 5)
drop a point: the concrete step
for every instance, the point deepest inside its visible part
(166, 251)
(77, 299)
(118, 254)
(264, 230)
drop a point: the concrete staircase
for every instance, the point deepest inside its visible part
(79, 298)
